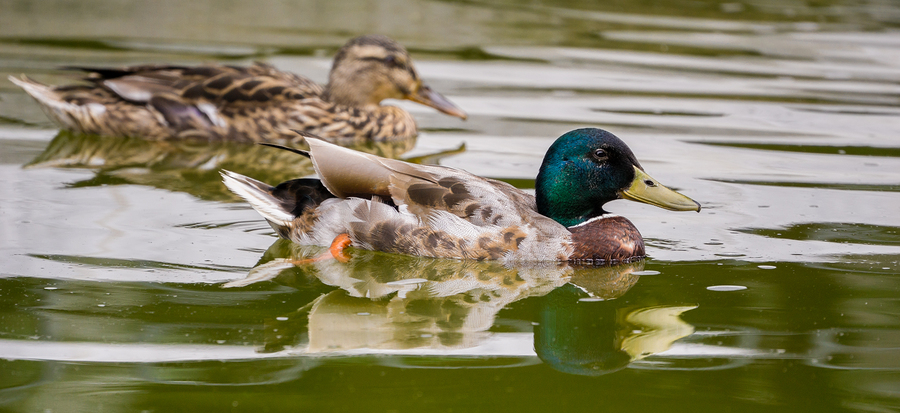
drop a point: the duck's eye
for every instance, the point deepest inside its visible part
(600, 154)
(390, 60)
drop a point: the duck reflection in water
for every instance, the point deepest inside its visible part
(595, 337)
(387, 302)
(190, 166)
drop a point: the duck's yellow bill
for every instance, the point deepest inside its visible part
(426, 96)
(647, 190)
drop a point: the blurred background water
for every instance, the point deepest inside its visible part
(781, 118)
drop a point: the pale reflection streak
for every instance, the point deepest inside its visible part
(497, 345)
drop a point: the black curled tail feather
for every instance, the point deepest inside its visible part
(289, 149)
(298, 195)
(302, 133)
(282, 204)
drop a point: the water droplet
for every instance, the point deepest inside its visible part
(281, 318)
(101, 305)
(54, 288)
(726, 288)
(766, 267)
(590, 299)
(363, 313)
(646, 272)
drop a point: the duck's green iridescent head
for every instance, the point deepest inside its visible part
(586, 168)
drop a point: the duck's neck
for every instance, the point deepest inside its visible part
(376, 124)
(393, 124)
(564, 200)
(356, 90)
(343, 96)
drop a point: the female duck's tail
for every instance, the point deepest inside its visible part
(67, 114)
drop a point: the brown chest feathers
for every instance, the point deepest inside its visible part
(606, 240)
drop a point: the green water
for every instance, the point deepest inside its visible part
(781, 295)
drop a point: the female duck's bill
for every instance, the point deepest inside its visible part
(253, 104)
(425, 210)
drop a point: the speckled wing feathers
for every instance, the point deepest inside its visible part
(441, 212)
(252, 104)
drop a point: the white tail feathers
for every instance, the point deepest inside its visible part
(259, 195)
(37, 90)
(58, 109)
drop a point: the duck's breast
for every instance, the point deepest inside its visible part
(606, 239)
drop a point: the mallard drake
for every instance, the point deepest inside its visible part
(426, 210)
(253, 104)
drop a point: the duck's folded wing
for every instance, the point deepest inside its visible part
(221, 85)
(348, 173)
(480, 201)
(424, 189)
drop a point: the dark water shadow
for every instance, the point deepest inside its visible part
(832, 232)
(815, 149)
(818, 185)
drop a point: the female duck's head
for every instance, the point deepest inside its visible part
(372, 68)
(586, 168)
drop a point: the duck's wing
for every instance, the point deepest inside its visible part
(423, 189)
(222, 86)
(348, 173)
(437, 211)
(254, 103)
(212, 83)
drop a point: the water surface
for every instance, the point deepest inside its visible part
(780, 118)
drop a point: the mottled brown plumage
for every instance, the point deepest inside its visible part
(247, 104)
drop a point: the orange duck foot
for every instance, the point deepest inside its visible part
(336, 251)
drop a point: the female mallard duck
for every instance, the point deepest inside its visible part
(393, 206)
(252, 104)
